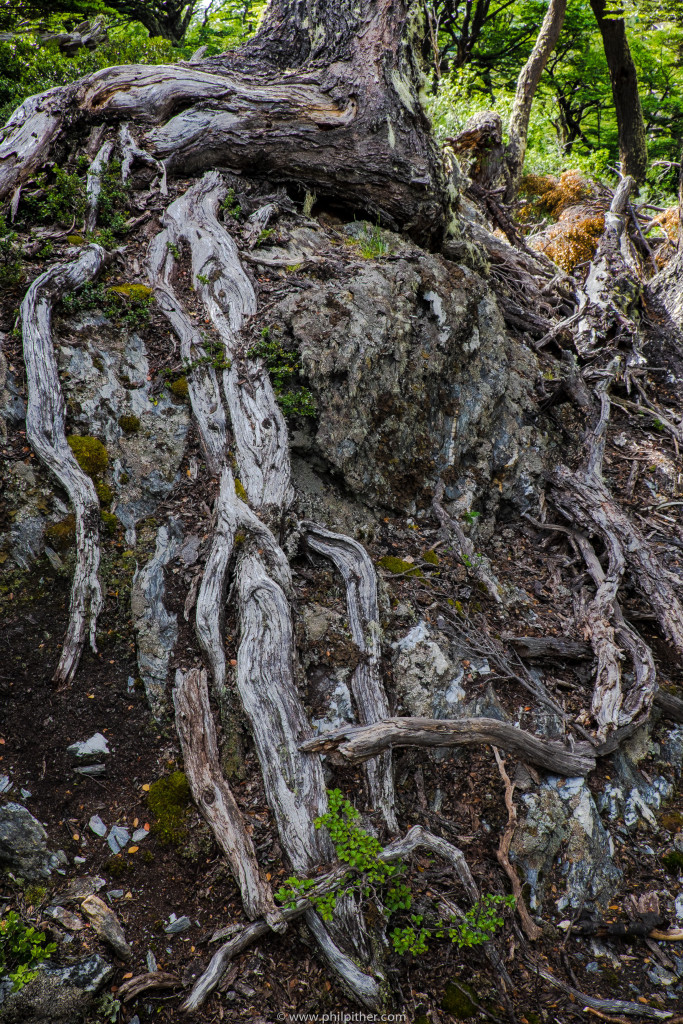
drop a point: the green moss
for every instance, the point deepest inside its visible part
(672, 821)
(104, 493)
(137, 292)
(123, 479)
(129, 424)
(240, 491)
(169, 799)
(398, 565)
(673, 862)
(35, 894)
(458, 1000)
(179, 388)
(75, 239)
(147, 856)
(62, 535)
(90, 454)
(109, 521)
(116, 866)
(431, 557)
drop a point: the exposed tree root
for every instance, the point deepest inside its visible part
(45, 430)
(358, 572)
(358, 742)
(94, 183)
(416, 838)
(213, 796)
(531, 929)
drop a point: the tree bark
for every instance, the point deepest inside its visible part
(527, 84)
(624, 79)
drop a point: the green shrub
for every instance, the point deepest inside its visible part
(22, 949)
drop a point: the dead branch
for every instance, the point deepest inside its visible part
(356, 743)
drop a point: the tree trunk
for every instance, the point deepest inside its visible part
(624, 78)
(527, 84)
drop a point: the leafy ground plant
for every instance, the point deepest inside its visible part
(284, 369)
(22, 949)
(372, 877)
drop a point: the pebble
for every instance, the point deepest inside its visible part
(64, 917)
(5, 783)
(97, 825)
(115, 894)
(660, 976)
(679, 907)
(139, 835)
(151, 962)
(25, 794)
(94, 770)
(79, 860)
(117, 838)
(97, 744)
(177, 924)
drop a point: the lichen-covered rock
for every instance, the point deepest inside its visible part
(58, 994)
(23, 844)
(156, 628)
(563, 821)
(413, 378)
(422, 672)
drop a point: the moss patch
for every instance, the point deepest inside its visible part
(672, 821)
(431, 557)
(397, 565)
(104, 493)
(459, 1000)
(179, 388)
(136, 292)
(240, 491)
(62, 535)
(109, 521)
(673, 862)
(169, 799)
(75, 239)
(90, 454)
(129, 424)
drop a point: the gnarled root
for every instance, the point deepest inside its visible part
(358, 572)
(45, 431)
(213, 796)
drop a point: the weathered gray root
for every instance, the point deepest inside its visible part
(416, 838)
(358, 742)
(45, 431)
(94, 183)
(610, 1006)
(358, 573)
(131, 152)
(479, 565)
(213, 796)
(294, 783)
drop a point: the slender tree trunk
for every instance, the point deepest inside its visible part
(527, 84)
(624, 78)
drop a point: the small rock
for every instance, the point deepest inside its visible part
(25, 793)
(679, 907)
(97, 825)
(115, 894)
(58, 994)
(177, 924)
(97, 744)
(79, 860)
(151, 962)
(139, 835)
(93, 770)
(81, 887)
(660, 976)
(70, 921)
(244, 990)
(107, 925)
(117, 838)
(5, 783)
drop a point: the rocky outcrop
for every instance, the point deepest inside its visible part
(412, 374)
(58, 994)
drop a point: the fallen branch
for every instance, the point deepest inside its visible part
(356, 743)
(134, 987)
(605, 1005)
